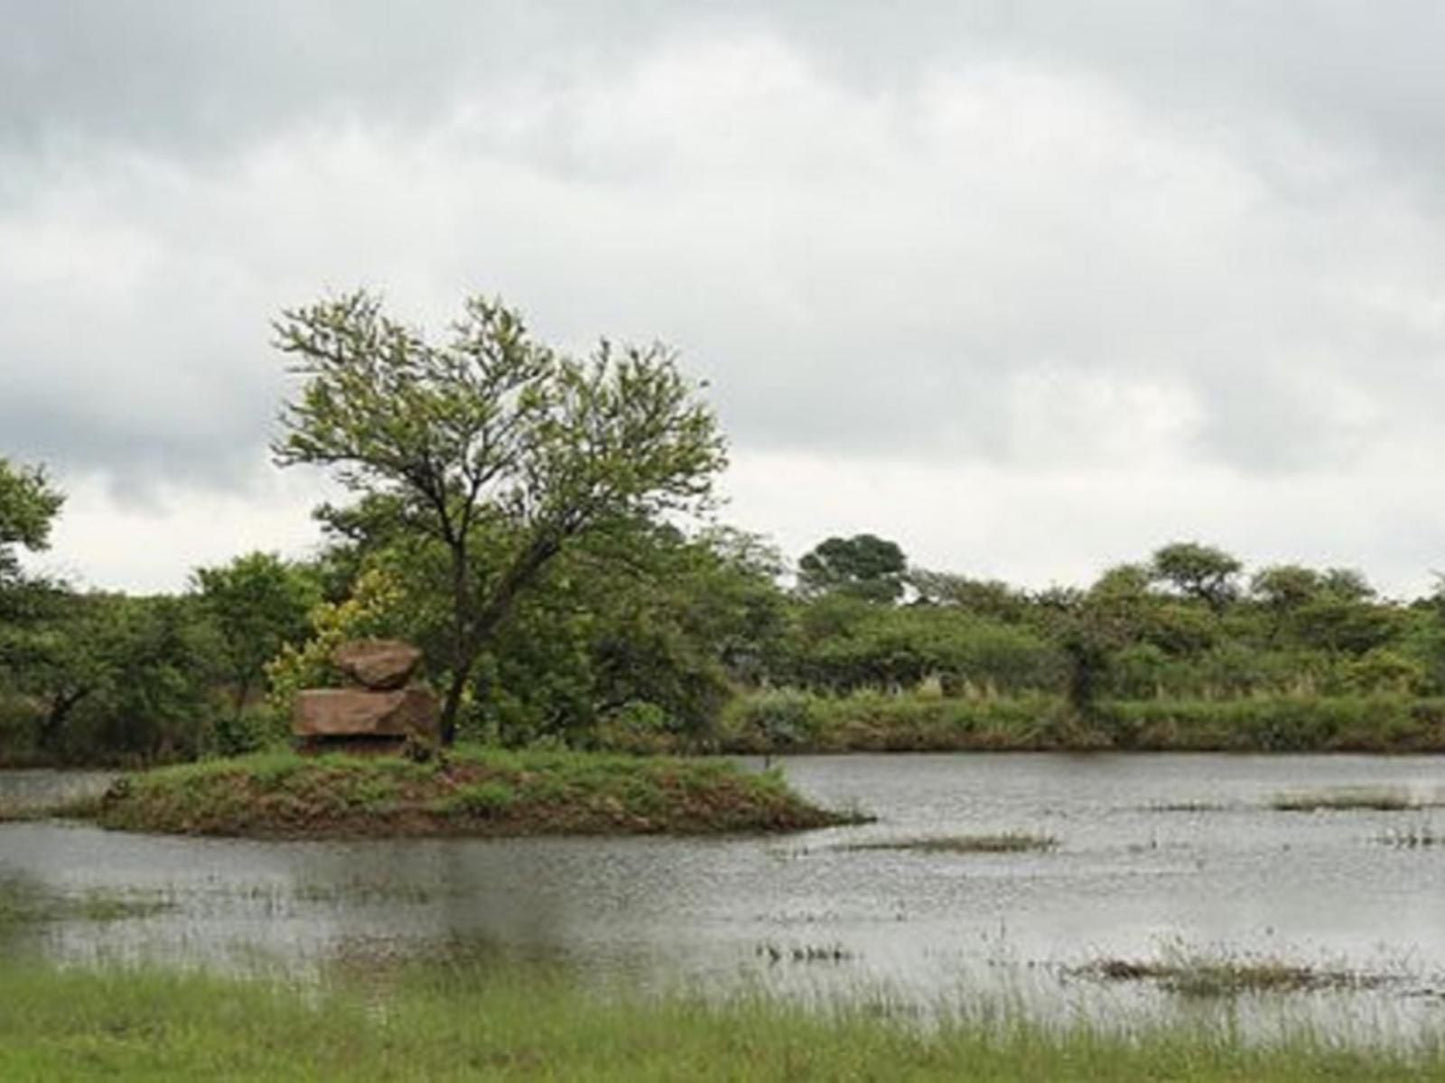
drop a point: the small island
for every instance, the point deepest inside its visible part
(468, 791)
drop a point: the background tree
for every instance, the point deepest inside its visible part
(492, 445)
(115, 678)
(1199, 571)
(258, 604)
(863, 566)
(28, 506)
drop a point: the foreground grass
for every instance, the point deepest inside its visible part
(453, 1024)
(472, 791)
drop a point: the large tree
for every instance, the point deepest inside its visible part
(491, 444)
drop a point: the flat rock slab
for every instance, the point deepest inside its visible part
(378, 664)
(353, 712)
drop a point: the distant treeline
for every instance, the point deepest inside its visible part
(642, 637)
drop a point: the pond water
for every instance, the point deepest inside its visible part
(1155, 854)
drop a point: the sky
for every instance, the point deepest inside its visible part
(1030, 287)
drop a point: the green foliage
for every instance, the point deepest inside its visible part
(840, 644)
(115, 678)
(1198, 571)
(793, 720)
(258, 604)
(492, 446)
(28, 506)
(374, 609)
(980, 597)
(864, 566)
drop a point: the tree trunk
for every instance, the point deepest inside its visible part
(54, 720)
(461, 673)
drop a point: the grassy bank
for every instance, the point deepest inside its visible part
(793, 721)
(445, 1024)
(472, 791)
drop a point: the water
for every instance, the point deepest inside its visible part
(1131, 878)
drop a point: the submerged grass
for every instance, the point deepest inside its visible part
(23, 904)
(1010, 842)
(447, 1023)
(470, 791)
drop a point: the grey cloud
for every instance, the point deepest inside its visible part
(885, 234)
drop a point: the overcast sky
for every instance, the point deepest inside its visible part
(1031, 288)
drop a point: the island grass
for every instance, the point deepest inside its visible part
(470, 791)
(450, 1024)
(1010, 842)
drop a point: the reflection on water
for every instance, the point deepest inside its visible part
(1153, 850)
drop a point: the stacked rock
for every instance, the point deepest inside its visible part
(380, 715)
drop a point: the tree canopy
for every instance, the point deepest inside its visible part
(864, 566)
(490, 445)
(28, 506)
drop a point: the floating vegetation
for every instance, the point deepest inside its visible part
(365, 892)
(804, 953)
(1010, 842)
(1189, 806)
(103, 904)
(1413, 838)
(1198, 974)
(1350, 799)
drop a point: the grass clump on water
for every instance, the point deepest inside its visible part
(452, 1023)
(469, 791)
(1010, 842)
(1204, 974)
(1349, 799)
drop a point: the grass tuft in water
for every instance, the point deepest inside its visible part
(1188, 806)
(1203, 974)
(1411, 838)
(1349, 799)
(1010, 842)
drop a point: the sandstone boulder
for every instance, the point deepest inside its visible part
(352, 712)
(378, 664)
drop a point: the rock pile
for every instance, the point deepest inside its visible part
(379, 715)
